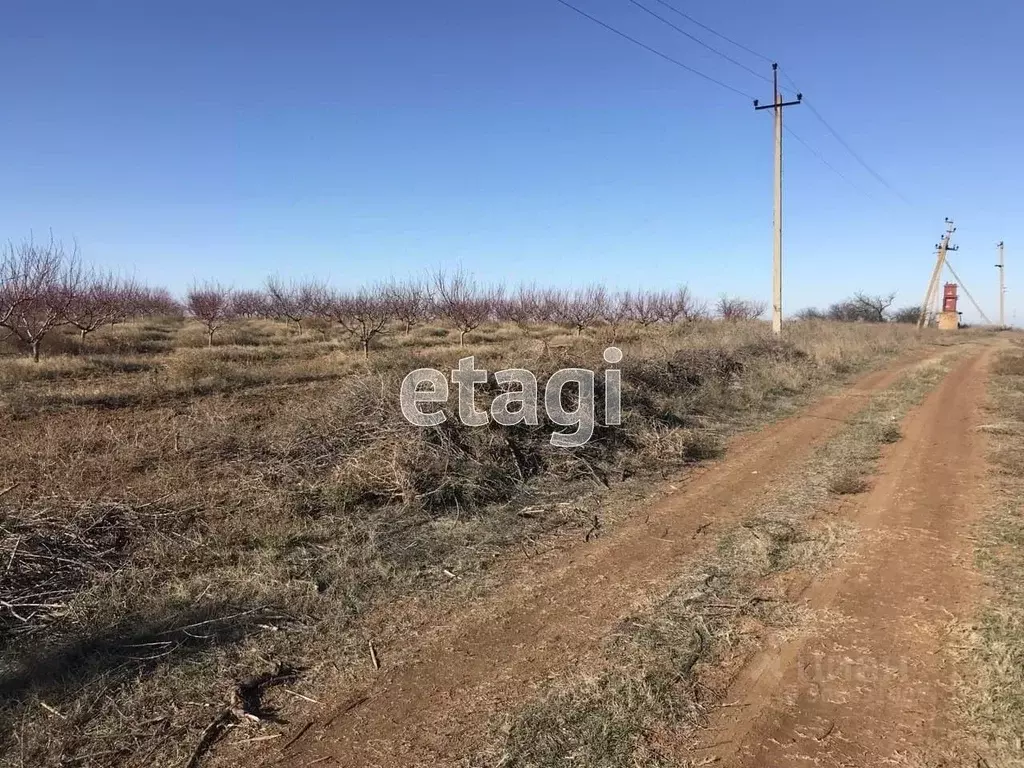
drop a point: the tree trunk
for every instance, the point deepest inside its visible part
(35, 350)
(462, 338)
(366, 349)
(83, 332)
(211, 338)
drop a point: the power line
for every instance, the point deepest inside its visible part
(655, 51)
(848, 148)
(788, 78)
(856, 156)
(728, 87)
(826, 163)
(713, 32)
(697, 40)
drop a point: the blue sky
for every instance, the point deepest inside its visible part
(367, 139)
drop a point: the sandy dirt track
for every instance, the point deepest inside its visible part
(871, 683)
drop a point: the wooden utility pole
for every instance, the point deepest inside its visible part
(777, 105)
(933, 282)
(1002, 285)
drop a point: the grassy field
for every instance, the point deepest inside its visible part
(196, 539)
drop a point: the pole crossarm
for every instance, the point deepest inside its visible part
(759, 105)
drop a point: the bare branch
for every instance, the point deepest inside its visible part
(735, 309)
(459, 300)
(38, 285)
(211, 304)
(582, 307)
(363, 315)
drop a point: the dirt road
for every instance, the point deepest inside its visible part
(868, 684)
(436, 708)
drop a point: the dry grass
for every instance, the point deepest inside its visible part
(189, 520)
(991, 696)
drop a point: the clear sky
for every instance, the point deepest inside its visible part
(362, 139)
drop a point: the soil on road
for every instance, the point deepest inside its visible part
(870, 684)
(866, 684)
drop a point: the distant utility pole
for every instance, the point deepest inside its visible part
(1002, 285)
(933, 283)
(777, 104)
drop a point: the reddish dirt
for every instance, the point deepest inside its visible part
(869, 683)
(436, 708)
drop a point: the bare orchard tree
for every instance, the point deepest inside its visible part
(549, 305)
(522, 307)
(459, 300)
(291, 302)
(363, 315)
(103, 299)
(211, 304)
(680, 306)
(616, 311)
(251, 304)
(734, 309)
(582, 307)
(410, 303)
(155, 302)
(644, 308)
(37, 285)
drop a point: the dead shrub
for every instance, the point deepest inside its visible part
(703, 446)
(848, 483)
(687, 368)
(771, 348)
(890, 433)
(56, 546)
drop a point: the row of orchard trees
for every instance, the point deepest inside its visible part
(456, 299)
(44, 286)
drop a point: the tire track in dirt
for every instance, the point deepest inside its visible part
(436, 708)
(866, 683)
